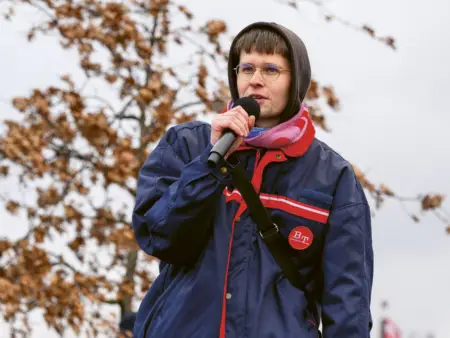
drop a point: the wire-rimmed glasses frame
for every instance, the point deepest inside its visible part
(269, 72)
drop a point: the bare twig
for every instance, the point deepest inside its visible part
(187, 105)
(102, 100)
(329, 16)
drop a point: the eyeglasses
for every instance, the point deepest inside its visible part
(269, 72)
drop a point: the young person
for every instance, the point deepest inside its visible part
(217, 276)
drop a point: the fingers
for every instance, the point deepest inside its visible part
(223, 122)
(235, 119)
(240, 118)
(234, 146)
(251, 122)
(239, 127)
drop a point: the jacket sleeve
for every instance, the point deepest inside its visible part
(348, 264)
(176, 199)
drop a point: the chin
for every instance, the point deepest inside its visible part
(268, 119)
(267, 113)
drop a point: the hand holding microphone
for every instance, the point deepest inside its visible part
(228, 129)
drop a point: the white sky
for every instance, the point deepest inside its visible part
(393, 124)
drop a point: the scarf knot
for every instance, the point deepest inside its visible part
(293, 137)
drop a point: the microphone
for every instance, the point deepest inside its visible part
(229, 137)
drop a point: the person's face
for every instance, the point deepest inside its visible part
(269, 84)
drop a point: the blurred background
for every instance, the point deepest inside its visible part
(88, 87)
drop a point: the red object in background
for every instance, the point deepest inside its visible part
(389, 329)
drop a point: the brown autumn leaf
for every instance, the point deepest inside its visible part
(31, 212)
(123, 238)
(127, 162)
(12, 207)
(369, 30)
(363, 180)
(8, 290)
(67, 78)
(114, 175)
(4, 245)
(214, 28)
(21, 103)
(76, 243)
(186, 12)
(111, 78)
(384, 189)
(4, 170)
(182, 118)
(331, 97)
(126, 288)
(96, 130)
(203, 95)
(430, 202)
(390, 41)
(52, 221)
(202, 75)
(146, 95)
(72, 213)
(39, 234)
(48, 197)
(313, 90)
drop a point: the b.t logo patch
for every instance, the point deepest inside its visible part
(300, 238)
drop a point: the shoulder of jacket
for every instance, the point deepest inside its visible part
(328, 156)
(345, 173)
(187, 130)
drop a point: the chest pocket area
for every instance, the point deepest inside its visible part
(302, 221)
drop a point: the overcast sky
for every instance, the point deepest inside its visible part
(393, 124)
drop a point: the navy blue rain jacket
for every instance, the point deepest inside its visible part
(217, 277)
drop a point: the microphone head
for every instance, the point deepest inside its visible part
(250, 105)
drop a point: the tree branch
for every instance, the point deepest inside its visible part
(148, 68)
(111, 302)
(121, 114)
(187, 105)
(387, 40)
(125, 303)
(43, 10)
(61, 261)
(127, 117)
(101, 99)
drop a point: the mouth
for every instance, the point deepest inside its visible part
(258, 97)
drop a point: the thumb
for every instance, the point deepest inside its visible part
(251, 122)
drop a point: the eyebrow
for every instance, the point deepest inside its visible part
(265, 64)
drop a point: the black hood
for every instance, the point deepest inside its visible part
(298, 58)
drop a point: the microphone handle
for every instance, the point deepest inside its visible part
(221, 148)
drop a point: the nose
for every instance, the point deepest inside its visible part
(256, 80)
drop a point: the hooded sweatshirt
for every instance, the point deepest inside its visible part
(298, 58)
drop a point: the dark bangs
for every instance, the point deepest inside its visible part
(262, 41)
